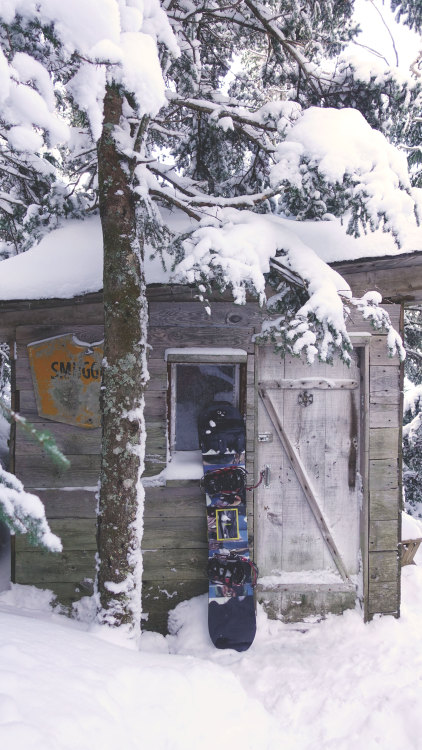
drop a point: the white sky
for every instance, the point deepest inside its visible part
(370, 13)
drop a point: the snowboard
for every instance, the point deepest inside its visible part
(232, 575)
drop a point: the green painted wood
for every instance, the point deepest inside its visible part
(173, 501)
(70, 440)
(175, 565)
(73, 503)
(176, 533)
(42, 568)
(83, 472)
(75, 534)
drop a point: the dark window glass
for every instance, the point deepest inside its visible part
(196, 387)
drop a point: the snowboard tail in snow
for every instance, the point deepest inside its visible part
(232, 575)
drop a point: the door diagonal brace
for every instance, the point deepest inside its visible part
(305, 484)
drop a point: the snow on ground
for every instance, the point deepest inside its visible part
(338, 684)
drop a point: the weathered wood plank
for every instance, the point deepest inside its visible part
(155, 404)
(175, 565)
(175, 533)
(153, 466)
(383, 566)
(75, 533)
(310, 383)
(186, 314)
(37, 567)
(85, 333)
(383, 535)
(384, 415)
(384, 442)
(383, 475)
(70, 439)
(296, 603)
(397, 282)
(75, 503)
(84, 472)
(379, 352)
(172, 337)
(7, 332)
(357, 324)
(384, 598)
(303, 479)
(384, 384)
(180, 356)
(79, 310)
(170, 502)
(69, 593)
(385, 504)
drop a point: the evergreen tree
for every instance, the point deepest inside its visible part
(412, 430)
(409, 12)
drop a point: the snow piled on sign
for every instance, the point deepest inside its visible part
(336, 684)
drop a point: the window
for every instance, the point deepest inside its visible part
(194, 384)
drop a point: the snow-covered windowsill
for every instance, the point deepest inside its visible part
(184, 465)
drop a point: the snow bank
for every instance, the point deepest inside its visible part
(63, 688)
(411, 528)
(336, 684)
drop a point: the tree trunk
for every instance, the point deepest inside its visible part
(124, 377)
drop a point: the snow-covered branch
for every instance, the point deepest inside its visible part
(238, 251)
(24, 513)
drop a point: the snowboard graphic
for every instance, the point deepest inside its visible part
(232, 575)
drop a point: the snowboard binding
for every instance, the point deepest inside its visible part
(229, 480)
(231, 570)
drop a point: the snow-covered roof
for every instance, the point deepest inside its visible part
(68, 261)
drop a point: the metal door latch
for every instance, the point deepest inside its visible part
(265, 437)
(267, 476)
(305, 398)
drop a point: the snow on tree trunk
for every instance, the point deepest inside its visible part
(124, 377)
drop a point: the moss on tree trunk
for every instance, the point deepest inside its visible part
(124, 377)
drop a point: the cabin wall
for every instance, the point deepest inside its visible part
(175, 537)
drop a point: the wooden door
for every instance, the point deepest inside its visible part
(308, 511)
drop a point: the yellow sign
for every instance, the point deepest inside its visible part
(67, 378)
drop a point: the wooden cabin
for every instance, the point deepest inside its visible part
(325, 521)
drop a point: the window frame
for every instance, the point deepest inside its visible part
(198, 356)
